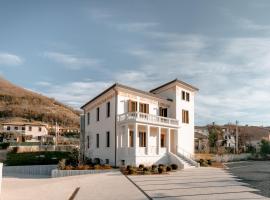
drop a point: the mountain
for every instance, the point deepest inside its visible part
(19, 103)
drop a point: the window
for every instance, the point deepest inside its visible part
(39, 129)
(142, 139)
(23, 128)
(162, 140)
(144, 108)
(132, 106)
(108, 109)
(97, 113)
(8, 128)
(97, 140)
(183, 95)
(88, 142)
(131, 143)
(88, 118)
(30, 128)
(107, 161)
(163, 112)
(187, 96)
(108, 138)
(16, 128)
(185, 116)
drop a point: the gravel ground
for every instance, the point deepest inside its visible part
(255, 173)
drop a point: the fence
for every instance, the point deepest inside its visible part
(61, 173)
(36, 170)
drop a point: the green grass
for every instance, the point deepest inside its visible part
(35, 158)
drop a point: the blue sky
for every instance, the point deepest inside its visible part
(71, 50)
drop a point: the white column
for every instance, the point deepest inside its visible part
(147, 138)
(168, 139)
(138, 105)
(158, 140)
(126, 133)
(136, 145)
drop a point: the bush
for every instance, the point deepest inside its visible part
(97, 161)
(62, 164)
(161, 170)
(68, 167)
(141, 166)
(107, 166)
(154, 167)
(203, 163)
(146, 169)
(174, 166)
(97, 167)
(82, 167)
(265, 147)
(209, 162)
(36, 158)
(168, 169)
(129, 167)
(161, 165)
(4, 145)
(132, 171)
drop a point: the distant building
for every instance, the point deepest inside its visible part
(201, 143)
(35, 129)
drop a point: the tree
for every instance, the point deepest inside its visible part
(265, 147)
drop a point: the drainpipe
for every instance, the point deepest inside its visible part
(115, 127)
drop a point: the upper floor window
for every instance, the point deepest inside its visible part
(30, 128)
(144, 108)
(132, 106)
(23, 128)
(185, 96)
(8, 128)
(88, 118)
(163, 112)
(39, 129)
(108, 109)
(185, 116)
(97, 113)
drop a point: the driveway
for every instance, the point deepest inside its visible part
(94, 186)
(197, 183)
(255, 173)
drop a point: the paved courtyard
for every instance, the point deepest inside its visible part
(193, 184)
(113, 186)
(255, 173)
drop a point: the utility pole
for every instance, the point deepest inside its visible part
(236, 137)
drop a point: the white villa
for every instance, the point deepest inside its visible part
(127, 126)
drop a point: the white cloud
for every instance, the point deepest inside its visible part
(72, 61)
(99, 14)
(10, 59)
(43, 83)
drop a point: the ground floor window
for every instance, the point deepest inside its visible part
(107, 161)
(162, 140)
(97, 138)
(122, 162)
(142, 139)
(131, 142)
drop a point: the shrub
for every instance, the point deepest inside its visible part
(4, 145)
(161, 165)
(209, 162)
(97, 161)
(168, 169)
(107, 166)
(146, 169)
(141, 166)
(88, 161)
(174, 166)
(68, 167)
(161, 170)
(82, 167)
(154, 167)
(97, 167)
(132, 171)
(203, 163)
(129, 167)
(62, 164)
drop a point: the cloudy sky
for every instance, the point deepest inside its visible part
(71, 50)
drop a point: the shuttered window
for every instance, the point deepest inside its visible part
(132, 106)
(185, 116)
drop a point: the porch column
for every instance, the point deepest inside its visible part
(168, 140)
(127, 135)
(147, 138)
(135, 136)
(158, 142)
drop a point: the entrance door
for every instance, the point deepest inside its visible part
(173, 142)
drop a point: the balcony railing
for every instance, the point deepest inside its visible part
(143, 117)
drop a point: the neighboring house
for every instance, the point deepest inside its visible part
(201, 141)
(127, 126)
(36, 130)
(229, 136)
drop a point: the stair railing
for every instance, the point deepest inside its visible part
(186, 155)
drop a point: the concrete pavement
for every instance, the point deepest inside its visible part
(94, 186)
(192, 184)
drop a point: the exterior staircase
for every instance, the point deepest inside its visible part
(187, 162)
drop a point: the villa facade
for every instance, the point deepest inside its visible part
(127, 126)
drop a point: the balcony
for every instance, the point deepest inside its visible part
(147, 118)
